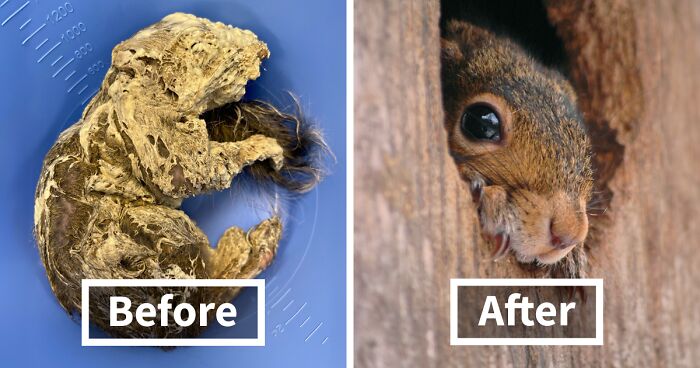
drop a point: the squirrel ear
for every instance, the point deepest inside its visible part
(456, 27)
(469, 36)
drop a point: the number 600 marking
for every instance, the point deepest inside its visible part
(94, 68)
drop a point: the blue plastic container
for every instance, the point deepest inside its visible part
(54, 56)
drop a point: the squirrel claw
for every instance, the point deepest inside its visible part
(502, 242)
(476, 187)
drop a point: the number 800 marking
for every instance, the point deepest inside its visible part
(83, 50)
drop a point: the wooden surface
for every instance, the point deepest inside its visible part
(415, 227)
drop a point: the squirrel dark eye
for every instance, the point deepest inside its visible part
(481, 122)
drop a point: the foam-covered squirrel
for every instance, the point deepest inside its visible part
(519, 140)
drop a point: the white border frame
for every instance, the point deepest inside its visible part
(597, 340)
(349, 188)
(85, 311)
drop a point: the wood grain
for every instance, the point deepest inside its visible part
(635, 66)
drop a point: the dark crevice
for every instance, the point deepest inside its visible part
(523, 21)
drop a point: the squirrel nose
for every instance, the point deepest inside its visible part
(560, 241)
(568, 226)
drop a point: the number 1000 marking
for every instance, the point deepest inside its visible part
(73, 32)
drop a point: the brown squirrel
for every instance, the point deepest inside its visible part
(518, 139)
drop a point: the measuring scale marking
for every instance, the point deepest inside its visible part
(15, 13)
(25, 24)
(63, 10)
(41, 44)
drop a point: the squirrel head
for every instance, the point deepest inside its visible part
(517, 137)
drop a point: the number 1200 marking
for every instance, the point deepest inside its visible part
(59, 13)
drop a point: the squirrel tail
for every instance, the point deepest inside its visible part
(303, 143)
